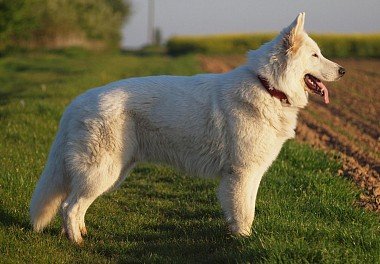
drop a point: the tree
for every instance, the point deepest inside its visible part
(60, 23)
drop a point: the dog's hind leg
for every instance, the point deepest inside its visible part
(85, 189)
(98, 161)
(86, 202)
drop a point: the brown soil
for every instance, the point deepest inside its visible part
(348, 127)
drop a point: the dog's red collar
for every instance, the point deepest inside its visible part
(273, 91)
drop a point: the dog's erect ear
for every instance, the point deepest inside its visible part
(291, 33)
(298, 23)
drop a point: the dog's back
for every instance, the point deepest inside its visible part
(181, 121)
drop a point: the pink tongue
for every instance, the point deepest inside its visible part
(325, 91)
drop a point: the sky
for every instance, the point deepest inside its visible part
(202, 17)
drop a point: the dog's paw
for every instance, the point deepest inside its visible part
(83, 230)
(238, 230)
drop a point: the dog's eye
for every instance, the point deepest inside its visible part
(315, 55)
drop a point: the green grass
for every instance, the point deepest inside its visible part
(305, 212)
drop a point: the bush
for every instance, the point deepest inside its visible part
(57, 23)
(332, 45)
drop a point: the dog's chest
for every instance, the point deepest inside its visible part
(259, 137)
(287, 123)
(283, 121)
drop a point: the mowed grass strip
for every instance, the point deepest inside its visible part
(305, 212)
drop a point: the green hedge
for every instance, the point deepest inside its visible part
(332, 45)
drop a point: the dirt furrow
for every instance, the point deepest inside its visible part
(344, 130)
(347, 116)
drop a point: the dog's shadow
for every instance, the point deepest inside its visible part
(182, 238)
(10, 220)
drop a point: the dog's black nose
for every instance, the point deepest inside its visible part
(341, 71)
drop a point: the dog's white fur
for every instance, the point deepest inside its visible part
(213, 125)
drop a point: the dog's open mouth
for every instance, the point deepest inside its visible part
(317, 87)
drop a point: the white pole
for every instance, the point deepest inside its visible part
(151, 22)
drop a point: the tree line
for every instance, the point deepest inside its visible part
(61, 23)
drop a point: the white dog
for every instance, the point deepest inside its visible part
(230, 125)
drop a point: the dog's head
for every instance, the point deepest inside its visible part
(296, 66)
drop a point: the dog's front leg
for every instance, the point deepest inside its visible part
(235, 196)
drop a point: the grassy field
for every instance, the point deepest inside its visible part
(337, 45)
(305, 211)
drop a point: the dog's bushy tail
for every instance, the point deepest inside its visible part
(50, 191)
